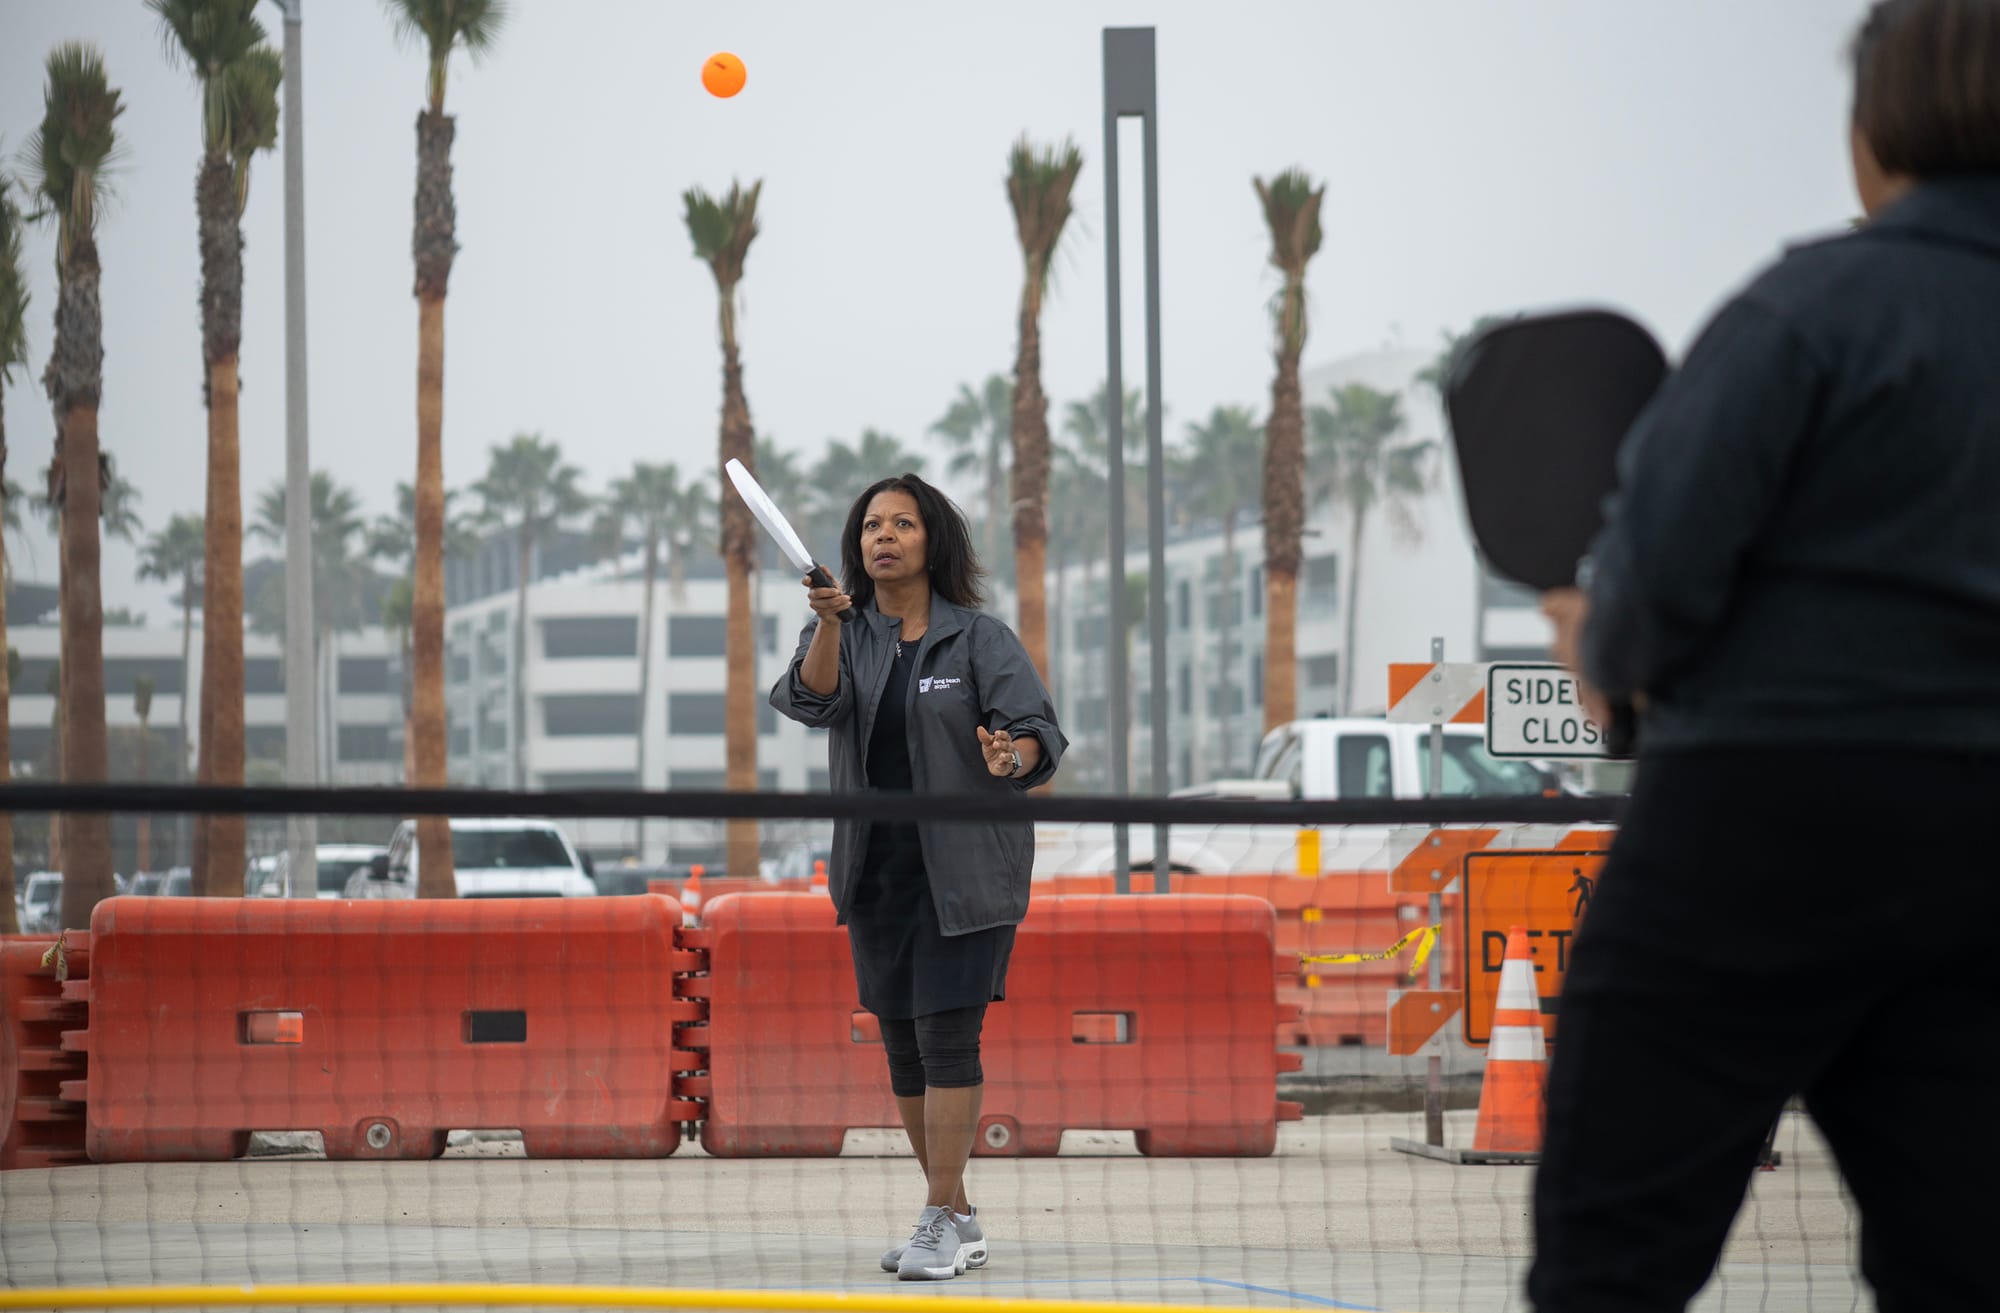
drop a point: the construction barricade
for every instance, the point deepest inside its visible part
(39, 1125)
(381, 1025)
(1153, 1015)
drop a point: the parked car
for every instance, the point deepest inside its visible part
(336, 865)
(493, 858)
(179, 883)
(147, 883)
(623, 880)
(41, 902)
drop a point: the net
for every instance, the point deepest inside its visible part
(1257, 1086)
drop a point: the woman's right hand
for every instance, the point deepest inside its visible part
(827, 603)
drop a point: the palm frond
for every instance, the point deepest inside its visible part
(13, 282)
(723, 229)
(1039, 183)
(74, 148)
(211, 37)
(443, 25)
(253, 112)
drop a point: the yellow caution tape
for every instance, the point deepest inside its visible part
(1424, 937)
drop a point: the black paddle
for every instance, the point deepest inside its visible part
(1538, 406)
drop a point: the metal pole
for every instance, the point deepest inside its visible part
(1156, 488)
(1117, 73)
(301, 755)
(1434, 1063)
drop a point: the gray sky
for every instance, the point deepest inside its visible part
(1478, 157)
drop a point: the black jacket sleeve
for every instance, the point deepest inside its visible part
(792, 698)
(1698, 478)
(1012, 696)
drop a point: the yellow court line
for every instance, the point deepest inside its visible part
(478, 1294)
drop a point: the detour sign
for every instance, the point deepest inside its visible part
(1546, 892)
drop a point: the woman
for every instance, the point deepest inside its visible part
(1799, 582)
(923, 692)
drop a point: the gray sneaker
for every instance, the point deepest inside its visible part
(935, 1252)
(970, 1237)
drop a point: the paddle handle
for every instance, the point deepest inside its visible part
(819, 578)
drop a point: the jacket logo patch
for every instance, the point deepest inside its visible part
(937, 683)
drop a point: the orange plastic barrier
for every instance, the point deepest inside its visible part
(1154, 1015)
(1350, 912)
(383, 1025)
(39, 1127)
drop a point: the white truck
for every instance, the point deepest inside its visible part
(1306, 759)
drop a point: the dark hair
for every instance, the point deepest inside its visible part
(955, 569)
(1927, 85)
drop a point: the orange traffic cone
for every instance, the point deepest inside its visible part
(819, 875)
(691, 897)
(1513, 1096)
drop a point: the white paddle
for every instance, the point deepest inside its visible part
(780, 528)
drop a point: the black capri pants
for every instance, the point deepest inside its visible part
(939, 1051)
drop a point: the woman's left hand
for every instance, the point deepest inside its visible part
(1567, 609)
(999, 748)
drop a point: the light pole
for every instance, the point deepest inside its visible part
(1131, 91)
(301, 748)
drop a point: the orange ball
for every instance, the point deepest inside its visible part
(723, 74)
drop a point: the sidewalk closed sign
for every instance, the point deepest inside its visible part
(1533, 710)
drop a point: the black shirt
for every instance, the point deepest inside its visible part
(1805, 544)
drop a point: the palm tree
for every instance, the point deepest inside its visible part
(1223, 456)
(980, 425)
(441, 26)
(1355, 462)
(175, 555)
(224, 45)
(69, 154)
(396, 619)
(340, 578)
(528, 488)
(142, 706)
(648, 500)
(841, 472)
(13, 353)
(722, 231)
(393, 538)
(782, 473)
(1038, 188)
(1087, 424)
(1291, 209)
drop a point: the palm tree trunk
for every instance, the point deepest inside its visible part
(144, 858)
(645, 675)
(187, 693)
(222, 746)
(1353, 612)
(996, 499)
(1226, 676)
(524, 575)
(87, 857)
(436, 877)
(10, 923)
(1284, 527)
(1031, 482)
(739, 548)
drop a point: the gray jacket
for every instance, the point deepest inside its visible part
(970, 671)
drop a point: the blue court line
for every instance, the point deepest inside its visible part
(1287, 1294)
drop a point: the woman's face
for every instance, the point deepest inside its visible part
(894, 546)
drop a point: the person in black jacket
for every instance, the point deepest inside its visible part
(922, 692)
(1798, 584)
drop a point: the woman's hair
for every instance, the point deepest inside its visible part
(1927, 85)
(954, 566)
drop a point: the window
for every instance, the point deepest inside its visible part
(1257, 679)
(1323, 671)
(1256, 591)
(1224, 700)
(714, 781)
(575, 636)
(704, 713)
(695, 635)
(121, 672)
(1187, 689)
(591, 779)
(264, 675)
(1090, 714)
(459, 667)
(1184, 603)
(489, 850)
(461, 740)
(818, 780)
(1279, 747)
(1363, 766)
(364, 675)
(1090, 631)
(1470, 773)
(1322, 583)
(575, 715)
(1225, 610)
(264, 743)
(365, 743)
(492, 734)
